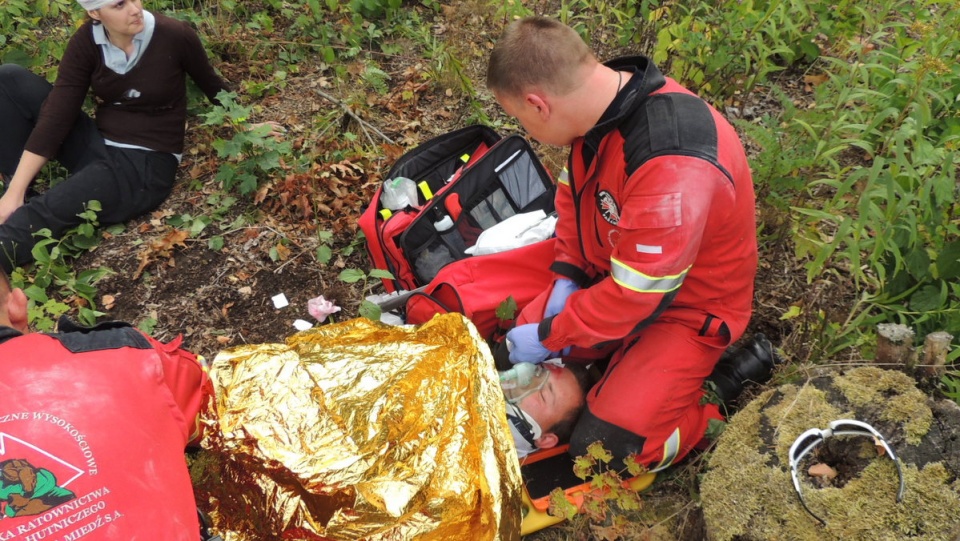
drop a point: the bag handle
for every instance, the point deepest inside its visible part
(430, 297)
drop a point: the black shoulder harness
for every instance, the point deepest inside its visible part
(107, 335)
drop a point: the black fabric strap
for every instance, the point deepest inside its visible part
(578, 275)
(543, 329)
(522, 426)
(106, 335)
(619, 441)
(6, 333)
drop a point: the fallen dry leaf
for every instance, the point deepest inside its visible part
(161, 248)
(822, 471)
(606, 533)
(881, 450)
(812, 81)
(282, 251)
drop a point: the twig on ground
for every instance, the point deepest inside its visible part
(364, 125)
(289, 260)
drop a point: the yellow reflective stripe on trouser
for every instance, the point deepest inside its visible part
(671, 448)
(564, 177)
(638, 281)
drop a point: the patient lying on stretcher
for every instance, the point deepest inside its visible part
(543, 403)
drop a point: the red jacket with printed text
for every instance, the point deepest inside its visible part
(93, 426)
(656, 216)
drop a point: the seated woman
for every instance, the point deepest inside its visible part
(135, 62)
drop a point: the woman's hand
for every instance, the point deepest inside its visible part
(8, 204)
(27, 169)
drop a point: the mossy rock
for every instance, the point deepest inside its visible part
(747, 492)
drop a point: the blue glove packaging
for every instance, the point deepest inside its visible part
(562, 288)
(525, 347)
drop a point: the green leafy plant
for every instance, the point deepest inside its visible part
(621, 23)
(376, 78)
(445, 64)
(21, 43)
(729, 47)
(889, 223)
(357, 242)
(950, 385)
(373, 9)
(324, 251)
(506, 314)
(609, 494)
(512, 9)
(52, 271)
(213, 211)
(260, 88)
(147, 325)
(250, 155)
(52, 286)
(506, 311)
(368, 309)
(447, 68)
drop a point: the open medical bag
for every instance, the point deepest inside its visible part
(431, 165)
(469, 180)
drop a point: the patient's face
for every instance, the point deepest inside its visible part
(555, 399)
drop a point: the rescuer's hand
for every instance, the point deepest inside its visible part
(524, 344)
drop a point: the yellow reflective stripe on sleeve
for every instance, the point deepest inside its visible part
(564, 177)
(671, 448)
(640, 282)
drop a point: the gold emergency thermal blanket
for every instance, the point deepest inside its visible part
(361, 430)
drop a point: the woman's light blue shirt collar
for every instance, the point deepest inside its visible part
(114, 57)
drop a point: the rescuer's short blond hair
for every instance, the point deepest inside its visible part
(537, 52)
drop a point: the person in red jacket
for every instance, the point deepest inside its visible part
(657, 247)
(93, 426)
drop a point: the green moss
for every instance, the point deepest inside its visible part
(741, 492)
(900, 400)
(800, 408)
(747, 492)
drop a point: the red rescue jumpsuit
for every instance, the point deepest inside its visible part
(656, 222)
(102, 416)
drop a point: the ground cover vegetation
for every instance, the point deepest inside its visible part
(849, 111)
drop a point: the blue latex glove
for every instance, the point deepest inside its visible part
(562, 288)
(524, 344)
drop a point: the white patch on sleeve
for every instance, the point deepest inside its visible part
(647, 249)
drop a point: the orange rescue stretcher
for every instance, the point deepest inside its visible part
(545, 470)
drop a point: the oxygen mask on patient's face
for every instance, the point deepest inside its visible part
(523, 380)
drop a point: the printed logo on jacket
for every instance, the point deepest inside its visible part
(49, 490)
(608, 207)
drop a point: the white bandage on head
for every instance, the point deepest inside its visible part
(91, 5)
